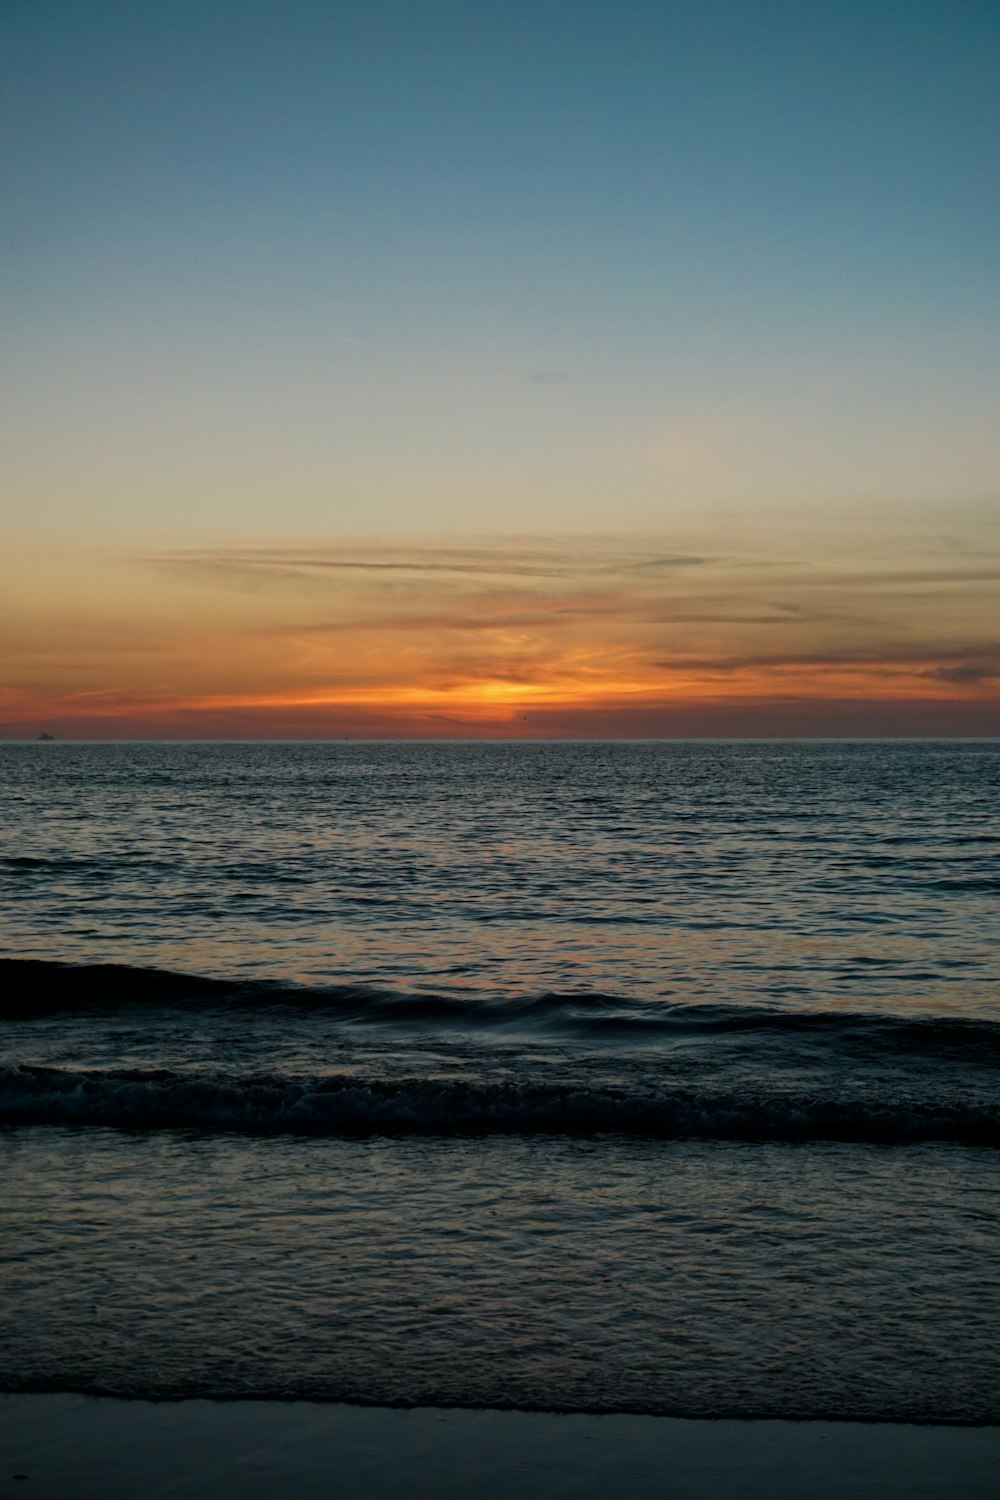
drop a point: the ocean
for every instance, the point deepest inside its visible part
(622, 1077)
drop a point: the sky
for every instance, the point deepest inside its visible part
(552, 368)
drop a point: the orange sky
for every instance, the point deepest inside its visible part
(821, 629)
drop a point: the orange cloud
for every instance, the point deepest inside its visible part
(506, 638)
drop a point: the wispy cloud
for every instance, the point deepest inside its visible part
(503, 632)
(973, 670)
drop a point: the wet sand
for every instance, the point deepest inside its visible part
(103, 1449)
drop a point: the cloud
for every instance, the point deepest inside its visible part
(971, 671)
(486, 631)
(964, 666)
(907, 577)
(291, 563)
(669, 561)
(680, 612)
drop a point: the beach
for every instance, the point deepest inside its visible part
(100, 1449)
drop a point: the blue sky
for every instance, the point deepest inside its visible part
(498, 264)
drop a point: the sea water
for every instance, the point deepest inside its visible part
(634, 1077)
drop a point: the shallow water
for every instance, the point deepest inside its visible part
(588, 1275)
(598, 1077)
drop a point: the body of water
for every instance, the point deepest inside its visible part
(636, 1077)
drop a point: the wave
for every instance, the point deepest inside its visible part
(346, 1105)
(35, 987)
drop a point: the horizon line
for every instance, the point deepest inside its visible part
(779, 739)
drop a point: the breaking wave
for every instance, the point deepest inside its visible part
(33, 987)
(345, 1105)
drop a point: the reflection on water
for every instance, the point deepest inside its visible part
(854, 875)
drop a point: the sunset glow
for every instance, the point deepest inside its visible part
(593, 637)
(446, 374)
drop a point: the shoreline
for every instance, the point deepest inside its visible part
(101, 1446)
(458, 1408)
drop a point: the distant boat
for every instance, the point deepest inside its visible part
(46, 736)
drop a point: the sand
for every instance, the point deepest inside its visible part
(65, 1445)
